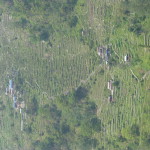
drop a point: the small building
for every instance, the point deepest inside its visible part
(109, 85)
(126, 58)
(106, 59)
(14, 104)
(14, 98)
(104, 53)
(112, 92)
(110, 98)
(107, 55)
(108, 52)
(7, 91)
(10, 84)
(11, 87)
(100, 51)
(21, 125)
(20, 105)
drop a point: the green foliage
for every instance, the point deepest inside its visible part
(86, 143)
(73, 21)
(33, 106)
(50, 112)
(65, 128)
(71, 121)
(23, 22)
(88, 127)
(136, 13)
(81, 93)
(135, 130)
(1, 11)
(40, 29)
(19, 82)
(96, 124)
(136, 60)
(48, 143)
(131, 135)
(28, 129)
(116, 83)
(101, 72)
(135, 25)
(44, 36)
(2, 106)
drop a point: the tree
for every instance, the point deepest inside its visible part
(81, 93)
(86, 143)
(96, 124)
(135, 131)
(44, 35)
(33, 106)
(46, 144)
(73, 21)
(23, 22)
(89, 126)
(64, 128)
(116, 83)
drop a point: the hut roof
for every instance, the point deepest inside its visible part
(110, 98)
(22, 105)
(100, 50)
(109, 85)
(14, 98)
(107, 51)
(14, 104)
(10, 84)
(126, 57)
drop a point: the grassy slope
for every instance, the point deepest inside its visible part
(131, 96)
(72, 60)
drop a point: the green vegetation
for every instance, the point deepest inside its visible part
(49, 50)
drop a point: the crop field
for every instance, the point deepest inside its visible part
(129, 97)
(63, 65)
(127, 108)
(38, 60)
(54, 68)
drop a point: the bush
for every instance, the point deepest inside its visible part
(116, 83)
(64, 128)
(101, 72)
(22, 22)
(135, 131)
(96, 124)
(33, 106)
(44, 36)
(73, 22)
(81, 93)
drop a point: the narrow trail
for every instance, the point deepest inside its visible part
(82, 82)
(88, 78)
(145, 75)
(134, 75)
(91, 12)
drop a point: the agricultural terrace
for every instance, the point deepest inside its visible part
(63, 81)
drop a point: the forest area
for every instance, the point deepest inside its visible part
(51, 55)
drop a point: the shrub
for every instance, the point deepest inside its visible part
(73, 22)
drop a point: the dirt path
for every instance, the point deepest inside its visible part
(88, 78)
(145, 75)
(91, 12)
(134, 75)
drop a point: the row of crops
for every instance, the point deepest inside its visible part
(49, 69)
(44, 65)
(129, 98)
(37, 67)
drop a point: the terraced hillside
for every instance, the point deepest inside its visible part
(64, 82)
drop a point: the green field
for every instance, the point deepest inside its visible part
(49, 50)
